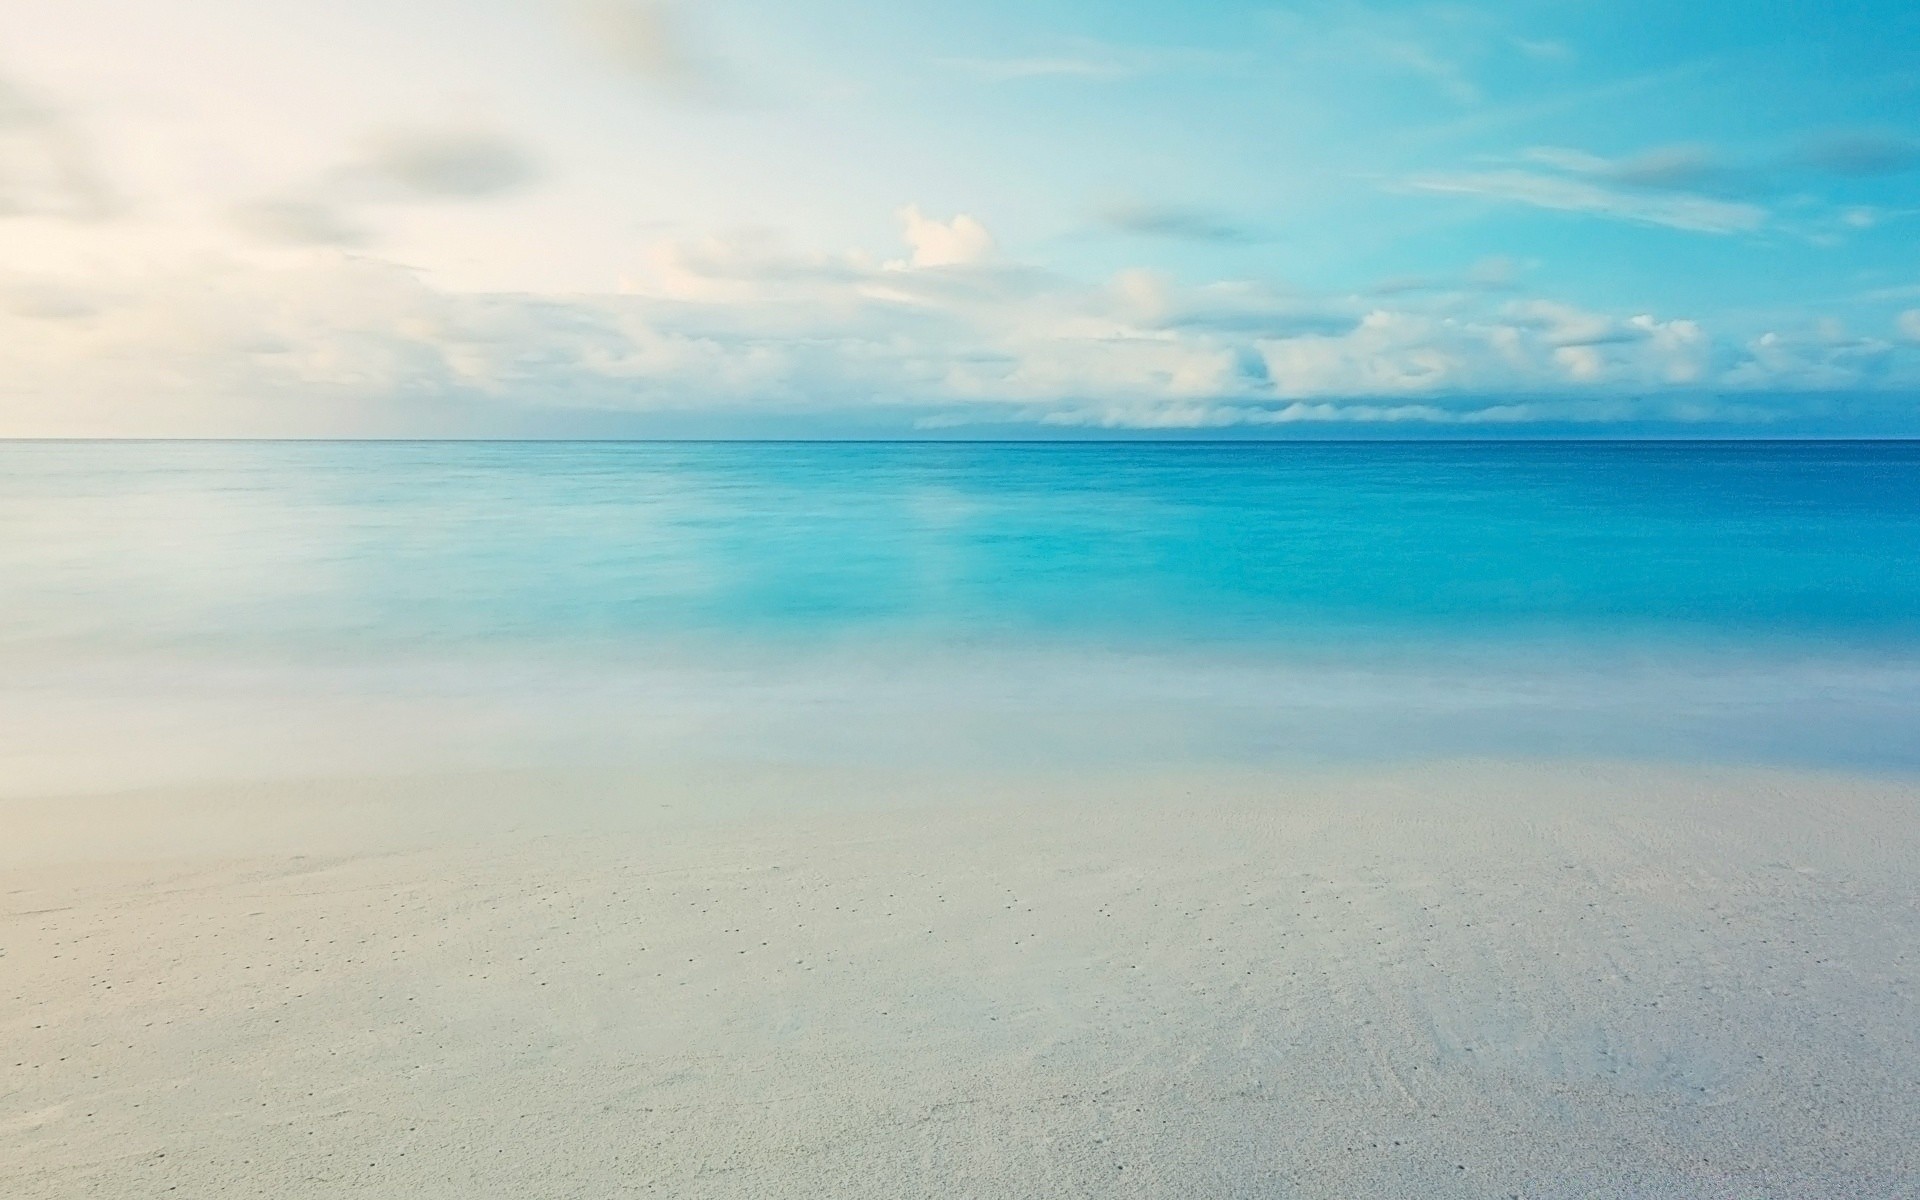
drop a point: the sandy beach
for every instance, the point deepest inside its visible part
(1463, 979)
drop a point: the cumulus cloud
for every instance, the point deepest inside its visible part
(938, 243)
(747, 326)
(1823, 357)
(46, 167)
(1529, 345)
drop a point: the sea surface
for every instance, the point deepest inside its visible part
(175, 609)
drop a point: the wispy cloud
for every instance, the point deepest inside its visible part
(300, 221)
(1175, 222)
(1447, 48)
(657, 41)
(1697, 187)
(449, 164)
(1860, 152)
(1089, 60)
(1545, 49)
(394, 166)
(1044, 67)
(46, 166)
(1491, 274)
(1686, 166)
(1563, 193)
(1595, 97)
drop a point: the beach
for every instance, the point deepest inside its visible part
(533, 820)
(1467, 978)
(997, 601)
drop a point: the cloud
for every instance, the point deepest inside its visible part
(1447, 49)
(1688, 166)
(1861, 152)
(41, 300)
(300, 222)
(1908, 323)
(653, 40)
(1175, 223)
(456, 164)
(1560, 193)
(1821, 358)
(944, 243)
(748, 328)
(1685, 167)
(1491, 274)
(1448, 77)
(1700, 168)
(1694, 186)
(1495, 272)
(1532, 346)
(46, 167)
(1063, 67)
(1546, 49)
(395, 166)
(1088, 60)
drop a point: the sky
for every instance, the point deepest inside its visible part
(1040, 218)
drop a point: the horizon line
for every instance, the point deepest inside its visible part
(956, 441)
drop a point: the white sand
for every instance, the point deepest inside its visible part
(1471, 980)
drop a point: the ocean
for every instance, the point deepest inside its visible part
(176, 609)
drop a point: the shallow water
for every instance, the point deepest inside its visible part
(313, 607)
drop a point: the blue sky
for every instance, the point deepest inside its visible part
(485, 217)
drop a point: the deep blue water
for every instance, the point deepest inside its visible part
(174, 610)
(384, 544)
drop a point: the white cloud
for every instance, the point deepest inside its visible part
(1062, 67)
(46, 167)
(654, 40)
(1087, 60)
(395, 166)
(938, 243)
(458, 164)
(300, 221)
(1523, 346)
(1175, 222)
(1686, 166)
(1447, 49)
(1824, 357)
(316, 342)
(1908, 323)
(1699, 214)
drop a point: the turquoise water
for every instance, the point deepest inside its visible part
(416, 543)
(1729, 593)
